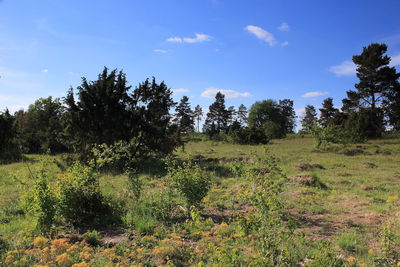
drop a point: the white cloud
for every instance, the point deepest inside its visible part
(199, 37)
(285, 43)
(212, 91)
(262, 34)
(160, 51)
(347, 68)
(45, 70)
(174, 40)
(284, 27)
(344, 68)
(395, 61)
(314, 94)
(180, 90)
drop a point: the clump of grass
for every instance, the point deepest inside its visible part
(351, 242)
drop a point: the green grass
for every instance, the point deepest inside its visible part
(351, 197)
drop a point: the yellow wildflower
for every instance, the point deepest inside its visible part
(163, 251)
(63, 259)
(82, 264)
(72, 249)
(9, 259)
(351, 259)
(87, 249)
(40, 241)
(59, 245)
(84, 255)
(370, 251)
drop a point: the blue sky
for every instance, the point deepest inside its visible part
(251, 50)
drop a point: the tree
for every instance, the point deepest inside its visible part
(231, 115)
(310, 117)
(288, 112)
(9, 150)
(40, 128)
(198, 114)
(101, 114)
(151, 103)
(108, 113)
(377, 82)
(217, 117)
(184, 116)
(327, 112)
(268, 115)
(242, 115)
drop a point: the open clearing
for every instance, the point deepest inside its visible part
(356, 195)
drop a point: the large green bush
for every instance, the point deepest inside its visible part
(190, 181)
(80, 199)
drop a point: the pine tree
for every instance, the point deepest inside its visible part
(198, 114)
(327, 112)
(231, 115)
(184, 116)
(377, 83)
(217, 117)
(310, 117)
(242, 115)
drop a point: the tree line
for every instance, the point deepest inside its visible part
(99, 114)
(369, 110)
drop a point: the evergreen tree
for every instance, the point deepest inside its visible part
(151, 104)
(242, 115)
(310, 117)
(7, 131)
(288, 112)
(377, 82)
(217, 117)
(231, 115)
(184, 116)
(327, 112)
(101, 113)
(198, 114)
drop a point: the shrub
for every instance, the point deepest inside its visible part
(115, 157)
(92, 238)
(41, 202)
(191, 182)
(80, 199)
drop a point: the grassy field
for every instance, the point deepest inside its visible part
(343, 202)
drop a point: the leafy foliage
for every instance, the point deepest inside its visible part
(8, 148)
(80, 199)
(41, 202)
(190, 181)
(40, 128)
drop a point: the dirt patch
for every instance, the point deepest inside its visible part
(302, 179)
(369, 165)
(355, 214)
(113, 240)
(308, 166)
(200, 158)
(222, 214)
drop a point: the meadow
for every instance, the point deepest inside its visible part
(336, 206)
